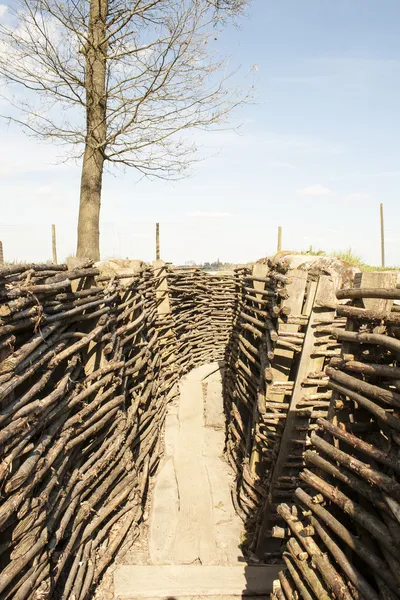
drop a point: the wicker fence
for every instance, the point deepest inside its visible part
(89, 362)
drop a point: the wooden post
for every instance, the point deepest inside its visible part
(157, 241)
(1, 253)
(382, 237)
(279, 238)
(54, 243)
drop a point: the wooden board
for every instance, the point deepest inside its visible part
(160, 270)
(308, 363)
(194, 539)
(192, 518)
(260, 270)
(377, 279)
(163, 514)
(171, 432)
(213, 409)
(188, 580)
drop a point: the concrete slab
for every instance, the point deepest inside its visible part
(187, 580)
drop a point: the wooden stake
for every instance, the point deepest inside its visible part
(157, 241)
(279, 239)
(1, 253)
(382, 237)
(54, 243)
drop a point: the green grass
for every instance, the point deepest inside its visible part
(349, 257)
(313, 252)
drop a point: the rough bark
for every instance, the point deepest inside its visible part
(96, 131)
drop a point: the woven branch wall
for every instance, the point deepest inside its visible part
(341, 534)
(275, 387)
(88, 365)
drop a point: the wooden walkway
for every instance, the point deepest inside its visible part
(192, 519)
(194, 533)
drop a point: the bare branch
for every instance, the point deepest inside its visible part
(123, 81)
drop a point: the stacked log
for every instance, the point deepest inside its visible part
(307, 400)
(218, 301)
(342, 532)
(89, 362)
(83, 392)
(254, 419)
(275, 387)
(202, 311)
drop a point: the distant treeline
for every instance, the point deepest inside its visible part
(213, 266)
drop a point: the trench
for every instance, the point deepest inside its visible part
(170, 433)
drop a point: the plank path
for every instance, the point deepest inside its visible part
(194, 531)
(192, 519)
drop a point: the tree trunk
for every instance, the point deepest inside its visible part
(89, 206)
(96, 131)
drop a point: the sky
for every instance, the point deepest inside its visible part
(316, 152)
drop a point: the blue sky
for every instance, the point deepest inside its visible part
(317, 152)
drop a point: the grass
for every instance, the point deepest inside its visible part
(349, 257)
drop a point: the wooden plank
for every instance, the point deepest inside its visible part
(162, 296)
(54, 243)
(227, 524)
(308, 363)
(187, 580)
(171, 431)
(260, 270)
(377, 279)
(194, 540)
(164, 514)
(213, 408)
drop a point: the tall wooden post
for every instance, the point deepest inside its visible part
(382, 237)
(157, 241)
(279, 247)
(1, 253)
(54, 243)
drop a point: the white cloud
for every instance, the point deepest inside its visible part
(356, 196)
(209, 215)
(314, 190)
(3, 10)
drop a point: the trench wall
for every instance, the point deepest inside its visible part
(275, 387)
(340, 533)
(89, 362)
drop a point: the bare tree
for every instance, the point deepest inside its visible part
(118, 81)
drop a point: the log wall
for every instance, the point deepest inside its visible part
(89, 362)
(341, 532)
(275, 388)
